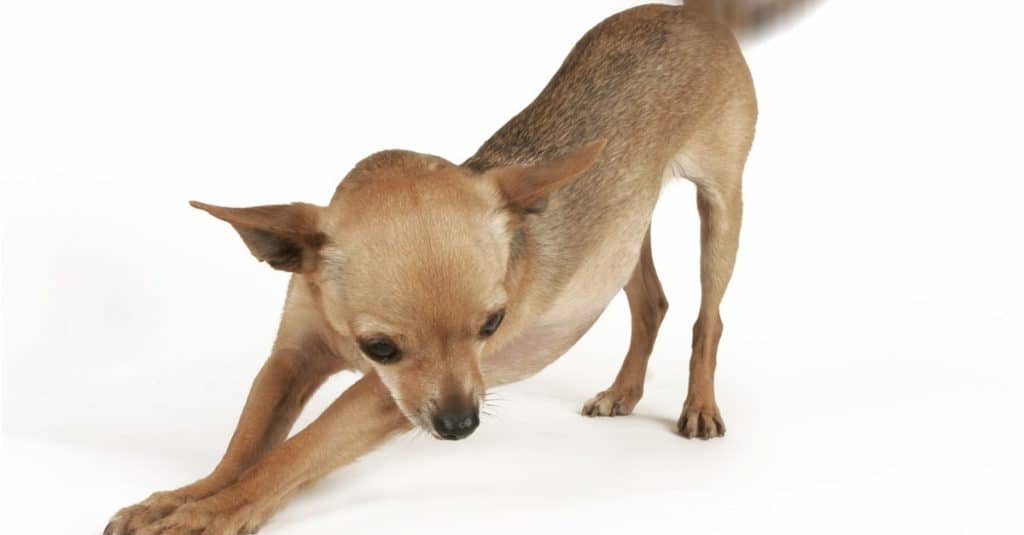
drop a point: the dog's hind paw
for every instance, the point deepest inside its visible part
(701, 421)
(615, 401)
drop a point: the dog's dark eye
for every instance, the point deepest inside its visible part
(492, 323)
(381, 350)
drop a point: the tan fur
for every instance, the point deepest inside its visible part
(546, 222)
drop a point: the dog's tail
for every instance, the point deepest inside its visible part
(747, 17)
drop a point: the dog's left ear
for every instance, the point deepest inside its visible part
(526, 187)
(286, 236)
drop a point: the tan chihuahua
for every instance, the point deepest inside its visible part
(438, 281)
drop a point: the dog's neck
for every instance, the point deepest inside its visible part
(539, 266)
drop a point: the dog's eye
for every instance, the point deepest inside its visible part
(381, 350)
(492, 323)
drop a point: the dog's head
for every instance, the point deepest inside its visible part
(410, 265)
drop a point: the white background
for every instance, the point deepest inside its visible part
(869, 374)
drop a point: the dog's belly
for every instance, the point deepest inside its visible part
(572, 314)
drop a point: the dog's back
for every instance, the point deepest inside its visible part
(648, 80)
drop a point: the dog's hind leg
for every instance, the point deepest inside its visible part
(720, 214)
(647, 305)
(714, 158)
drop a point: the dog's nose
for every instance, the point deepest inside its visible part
(453, 425)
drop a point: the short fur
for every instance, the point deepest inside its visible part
(545, 223)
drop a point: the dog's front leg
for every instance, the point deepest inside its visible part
(278, 394)
(362, 418)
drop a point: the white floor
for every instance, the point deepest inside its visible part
(823, 435)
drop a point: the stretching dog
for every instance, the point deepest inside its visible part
(438, 281)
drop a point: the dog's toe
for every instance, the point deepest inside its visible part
(612, 402)
(701, 421)
(131, 519)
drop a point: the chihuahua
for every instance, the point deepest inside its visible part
(438, 281)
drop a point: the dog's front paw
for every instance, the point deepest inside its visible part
(217, 515)
(701, 420)
(128, 520)
(616, 401)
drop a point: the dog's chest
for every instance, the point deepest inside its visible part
(571, 315)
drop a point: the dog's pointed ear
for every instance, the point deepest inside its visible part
(286, 236)
(526, 188)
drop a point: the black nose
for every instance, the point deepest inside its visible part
(453, 425)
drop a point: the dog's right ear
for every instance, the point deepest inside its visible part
(526, 188)
(286, 236)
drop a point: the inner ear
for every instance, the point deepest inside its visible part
(282, 252)
(285, 236)
(526, 188)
